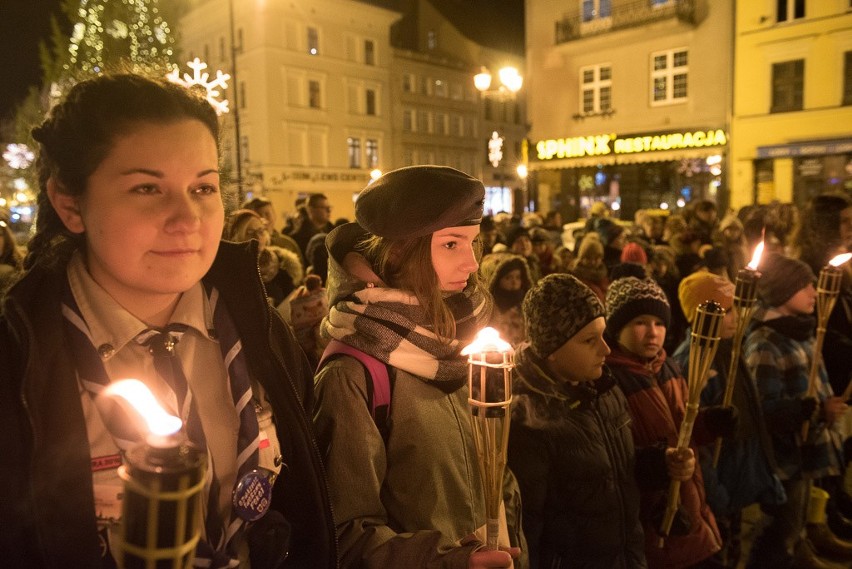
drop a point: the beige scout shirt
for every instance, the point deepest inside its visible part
(112, 331)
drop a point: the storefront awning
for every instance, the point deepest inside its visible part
(615, 159)
(806, 148)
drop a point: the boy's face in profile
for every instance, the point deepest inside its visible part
(582, 357)
(802, 302)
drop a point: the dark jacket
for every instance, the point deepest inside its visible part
(571, 450)
(46, 495)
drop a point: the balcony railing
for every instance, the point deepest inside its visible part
(628, 15)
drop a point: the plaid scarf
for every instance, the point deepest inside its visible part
(389, 324)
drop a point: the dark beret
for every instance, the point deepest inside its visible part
(419, 200)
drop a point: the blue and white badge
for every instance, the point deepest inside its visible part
(252, 496)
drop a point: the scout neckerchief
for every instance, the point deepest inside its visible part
(218, 550)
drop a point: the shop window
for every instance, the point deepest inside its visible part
(847, 78)
(787, 86)
(669, 76)
(595, 89)
(354, 149)
(790, 10)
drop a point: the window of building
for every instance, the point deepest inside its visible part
(440, 123)
(425, 86)
(408, 83)
(456, 91)
(314, 94)
(847, 78)
(370, 102)
(206, 52)
(596, 88)
(239, 46)
(313, 41)
(422, 121)
(788, 85)
(354, 150)
(669, 76)
(371, 147)
(455, 125)
(790, 10)
(596, 9)
(242, 94)
(369, 52)
(488, 109)
(222, 49)
(431, 39)
(407, 120)
(440, 88)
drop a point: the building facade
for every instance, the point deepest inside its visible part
(792, 123)
(327, 93)
(441, 118)
(312, 88)
(629, 102)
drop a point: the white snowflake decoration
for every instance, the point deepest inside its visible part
(18, 156)
(202, 78)
(117, 29)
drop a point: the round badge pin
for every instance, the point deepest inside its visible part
(252, 496)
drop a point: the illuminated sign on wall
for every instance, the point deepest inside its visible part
(604, 144)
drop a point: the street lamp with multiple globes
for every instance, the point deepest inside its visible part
(510, 82)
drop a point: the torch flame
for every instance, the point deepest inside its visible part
(140, 397)
(840, 259)
(755, 258)
(487, 340)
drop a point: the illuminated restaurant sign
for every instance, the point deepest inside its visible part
(606, 144)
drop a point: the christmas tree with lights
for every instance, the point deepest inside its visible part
(105, 32)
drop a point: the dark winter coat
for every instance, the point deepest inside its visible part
(46, 494)
(571, 450)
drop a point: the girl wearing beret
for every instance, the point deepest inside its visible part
(778, 351)
(126, 270)
(570, 444)
(401, 289)
(637, 317)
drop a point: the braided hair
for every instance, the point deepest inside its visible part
(79, 133)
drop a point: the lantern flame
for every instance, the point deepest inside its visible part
(840, 259)
(755, 258)
(487, 340)
(137, 394)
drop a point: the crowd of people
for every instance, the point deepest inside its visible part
(324, 358)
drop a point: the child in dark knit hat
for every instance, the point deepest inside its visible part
(638, 314)
(778, 352)
(744, 474)
(570, 445)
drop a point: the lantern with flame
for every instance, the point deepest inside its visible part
(828, 289)
(745, 297)
(163, 478)
(704, 341)
(490, 363)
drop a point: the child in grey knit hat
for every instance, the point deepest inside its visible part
(570, 446)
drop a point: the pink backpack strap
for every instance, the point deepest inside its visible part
(377, 371)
